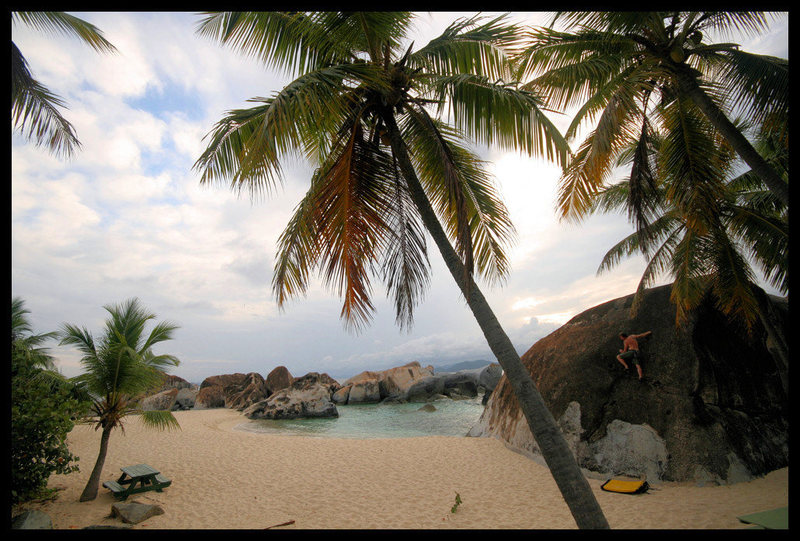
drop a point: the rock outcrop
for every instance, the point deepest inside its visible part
(254, 390)
(307, 397)
(415, 383)
(394, 383)
(160, 401)
(231, 390)
(711, 407)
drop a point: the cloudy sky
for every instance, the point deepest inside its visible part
(126, 217)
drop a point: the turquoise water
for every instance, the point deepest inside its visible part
(451, 418)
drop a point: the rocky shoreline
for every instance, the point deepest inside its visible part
(282, 396)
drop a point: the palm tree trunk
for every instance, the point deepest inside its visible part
(93, 485)
(563, 467)
(739, 142)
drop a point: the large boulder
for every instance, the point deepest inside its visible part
(185, 399)
(134, 512)
(175, 382)
(307, 397)
(162, 401)
(212, 396)
(253, 390)
(278, 379)
(32, 519)
(711, 407)
(236, 391)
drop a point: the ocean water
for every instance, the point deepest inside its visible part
(451, 418)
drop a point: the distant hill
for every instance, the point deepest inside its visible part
(463, 365)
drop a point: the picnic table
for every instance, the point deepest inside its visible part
(135, 479)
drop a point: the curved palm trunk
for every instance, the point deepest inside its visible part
(93, 485)
(738, 141)
(562, 464)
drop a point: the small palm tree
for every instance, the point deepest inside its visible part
(119, 368)
(34, 108)
(389, 169)
(25, 342)
(619, 65)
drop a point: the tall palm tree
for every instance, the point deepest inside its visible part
(704, 235)
(34, 108)
(390, 169)
(618, 65)
(118, 368)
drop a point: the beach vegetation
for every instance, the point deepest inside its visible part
(456, 503)
(118, 368)
(35, 109)
(43, 409)
(388, 125)
(617, 68)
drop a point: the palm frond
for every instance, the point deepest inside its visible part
(247, 145)
(469, 46)
(406, 268)
(34, 110)
(162, 420)
(446, 169)
(757, 84)
(495, 113)
(291, 41)
(64, 23)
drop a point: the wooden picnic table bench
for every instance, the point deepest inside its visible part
(135, 479)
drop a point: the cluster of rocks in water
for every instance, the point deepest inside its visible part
(282, 396)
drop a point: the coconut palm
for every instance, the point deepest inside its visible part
(705, 233)
(367, 108)
(34, 108)
(118, 368)
(619, 65)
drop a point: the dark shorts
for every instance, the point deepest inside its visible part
(631, 355)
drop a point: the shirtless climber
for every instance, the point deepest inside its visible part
(630, 350)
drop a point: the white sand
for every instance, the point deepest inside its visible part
(227, 478)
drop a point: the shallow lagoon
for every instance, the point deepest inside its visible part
(451, 418)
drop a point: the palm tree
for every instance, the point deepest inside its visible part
(621, 64)
(34, 108)
(702, 234)
(25, 342)
(388, 170)
(118, 368)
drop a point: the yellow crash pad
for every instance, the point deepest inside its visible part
(625, 487)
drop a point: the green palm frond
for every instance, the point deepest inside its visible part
(495, 113)
(406, 268)
(759, 83)
(34, 110)
(690, 154)
(64, 23)
(690, 271)
(469, 46)
(247, 145)
(732, 281)
(462, 193)
(162, 420)
(766, 238)
(290, 41)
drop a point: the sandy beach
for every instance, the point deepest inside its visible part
(224, 478)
